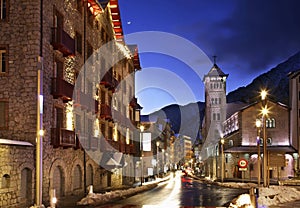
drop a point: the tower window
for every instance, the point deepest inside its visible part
(3, 9)
(3, 53)
(3, 114)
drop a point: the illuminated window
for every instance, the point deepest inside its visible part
(3, 62)
(3, 9)
(270, 123)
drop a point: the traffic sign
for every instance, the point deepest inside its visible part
(242, 163)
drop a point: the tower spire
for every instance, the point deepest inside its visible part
(215, 58)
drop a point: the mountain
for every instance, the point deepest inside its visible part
(275, 81)
(185, 120)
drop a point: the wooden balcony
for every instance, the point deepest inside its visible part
(63, 42)
(105, 111)
(63, 138)
(62, 88)
(109, 81)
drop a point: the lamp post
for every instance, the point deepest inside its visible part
(142, 152)
(264, 114)
(157, 164)
(258, 126)
(222, 159)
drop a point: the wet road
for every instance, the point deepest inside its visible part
(180, 192)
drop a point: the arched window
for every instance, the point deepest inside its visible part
(77, 175)
(90, 175)
(269, 141)
(273, 122)
(270, 123)
(5, 181)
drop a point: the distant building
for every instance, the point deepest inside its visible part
(294, 95)
(159, 157)
(87, 99)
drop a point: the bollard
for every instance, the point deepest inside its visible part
(90, 189)
(253, 197)
(53, 199)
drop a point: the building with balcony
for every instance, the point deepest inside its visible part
(243, 140)
(65, 69)
(294, 95)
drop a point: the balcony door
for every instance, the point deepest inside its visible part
(59, 118)
(58, 24)
(59, 70)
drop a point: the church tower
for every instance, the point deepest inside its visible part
(215, 113)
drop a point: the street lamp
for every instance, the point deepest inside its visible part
(222, 159)
(264, 112)
(258, 126)
(157, 167)
(142, 128)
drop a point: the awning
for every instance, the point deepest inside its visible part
(14, 142)
(253, 149)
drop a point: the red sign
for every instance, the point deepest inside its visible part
(242, 163)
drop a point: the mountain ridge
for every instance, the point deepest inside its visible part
(187, 119)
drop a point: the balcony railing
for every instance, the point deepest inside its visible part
(109, 81)
(62, 88)
(105, 111)
(62, 138)
(63, 42)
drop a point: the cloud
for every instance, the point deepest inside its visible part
(255, 35)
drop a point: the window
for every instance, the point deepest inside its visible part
(269, 141)
(90, 51)
(3, 114)
(5, 181)
(218, 117)
(270, 123)
(79, 43)
(230, 143)
(79, 6)
(3, 62)
(3, 9)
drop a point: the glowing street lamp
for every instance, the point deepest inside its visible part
(264, 112)
(222, 160)
(142, 128)
(157, 164)
(258, 125)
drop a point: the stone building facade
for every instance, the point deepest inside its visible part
(88, 98)
(241, 141)
(215, 115)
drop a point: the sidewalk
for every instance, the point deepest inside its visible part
(71, 201)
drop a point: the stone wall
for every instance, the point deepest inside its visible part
(14, 160)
